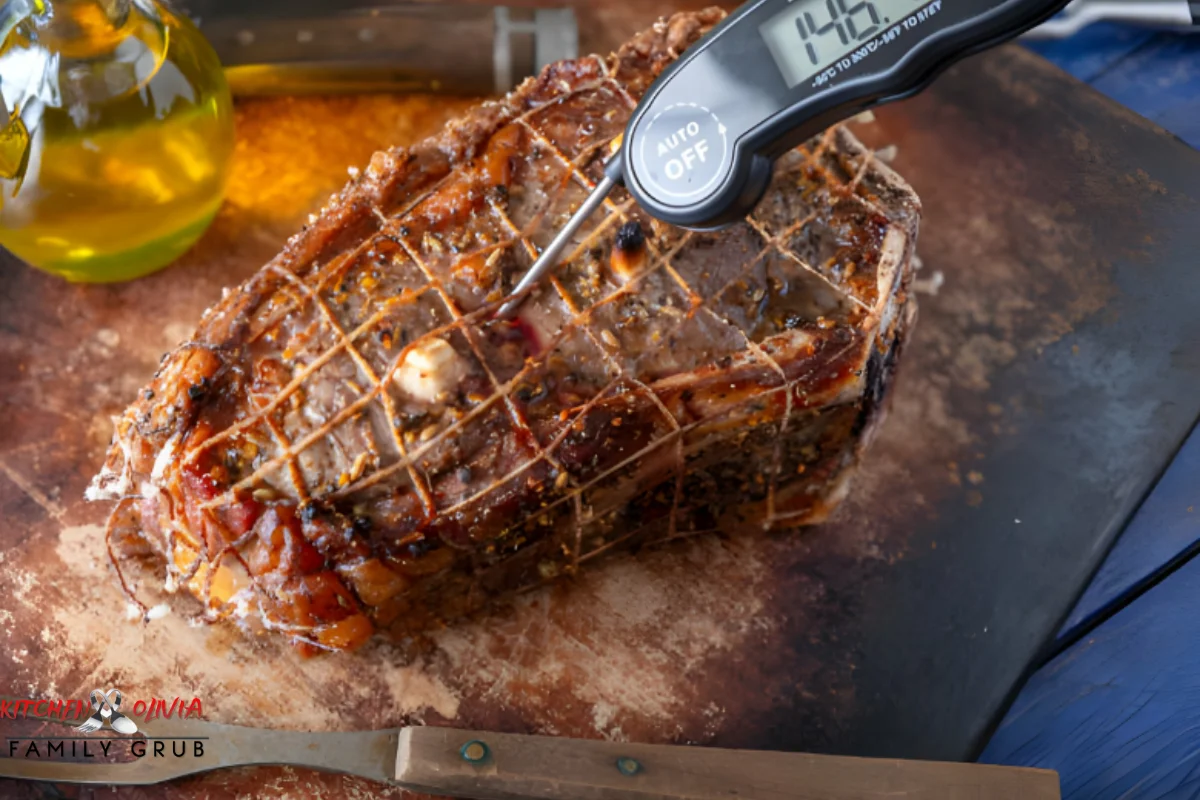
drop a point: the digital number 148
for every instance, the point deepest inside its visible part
(841, 20)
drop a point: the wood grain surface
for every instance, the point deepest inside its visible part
(896, 629)
(1118, 712)
(1156, 73)
(511, 767)
(1163, 534)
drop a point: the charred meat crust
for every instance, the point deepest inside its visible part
(350, 443)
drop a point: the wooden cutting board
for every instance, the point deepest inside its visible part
(1052, 374)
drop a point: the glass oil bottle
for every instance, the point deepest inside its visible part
(117, 135)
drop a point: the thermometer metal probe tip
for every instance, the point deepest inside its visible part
(549, 257)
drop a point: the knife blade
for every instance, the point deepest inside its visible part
(370, 754)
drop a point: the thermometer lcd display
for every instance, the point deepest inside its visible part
(810, 35)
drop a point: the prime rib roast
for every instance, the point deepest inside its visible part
(351, 442)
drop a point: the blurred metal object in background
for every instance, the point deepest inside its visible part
(1177, 15)
(314, 47)
(555, 37)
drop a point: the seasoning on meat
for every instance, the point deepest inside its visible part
(351, 443)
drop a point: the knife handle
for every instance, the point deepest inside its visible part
(505, 766)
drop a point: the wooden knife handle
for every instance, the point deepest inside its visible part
(504, 766)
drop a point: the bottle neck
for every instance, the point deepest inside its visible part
(80, 28)
(76, 53)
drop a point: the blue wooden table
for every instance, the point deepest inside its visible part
(1155, 74)
(1116, 706)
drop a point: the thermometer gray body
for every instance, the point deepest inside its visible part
(699, 149)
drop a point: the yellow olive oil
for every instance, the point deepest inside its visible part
(127, 154)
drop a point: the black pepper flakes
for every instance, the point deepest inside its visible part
(197, 391)
(631, 237)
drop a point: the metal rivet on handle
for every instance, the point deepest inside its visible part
(628, 766)
(474, 751)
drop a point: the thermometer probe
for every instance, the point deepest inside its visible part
(699, 149)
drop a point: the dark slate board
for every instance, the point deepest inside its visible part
(1085, 423)
(1118, 713)
(1153, 74)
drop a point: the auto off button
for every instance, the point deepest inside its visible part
(683, 151)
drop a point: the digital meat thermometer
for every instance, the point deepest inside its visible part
(699, 149)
